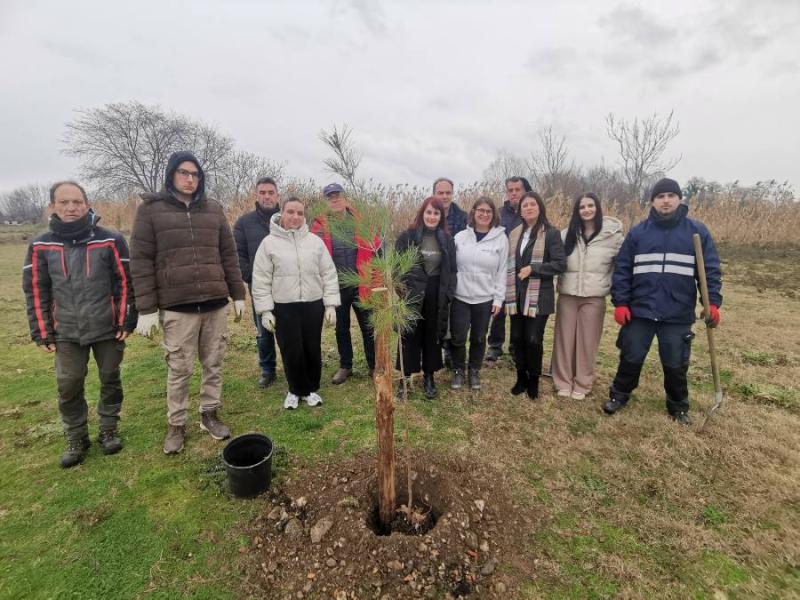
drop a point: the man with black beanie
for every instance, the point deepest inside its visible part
(654, 291)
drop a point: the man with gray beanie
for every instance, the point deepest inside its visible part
(184, 266)
(654, 291)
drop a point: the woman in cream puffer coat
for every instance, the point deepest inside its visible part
(591, 243)
(295, 285)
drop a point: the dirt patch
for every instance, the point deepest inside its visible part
(317, 538)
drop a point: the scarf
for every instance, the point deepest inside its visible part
(530, 305)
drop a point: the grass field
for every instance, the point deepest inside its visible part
(631, 506)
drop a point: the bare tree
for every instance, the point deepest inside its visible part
(551, 165)
(346, 158)
(504, 166)
(641, 144)
(125, 146)
(24, 204)
(240, 172)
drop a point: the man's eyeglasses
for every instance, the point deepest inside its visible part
(187, 174)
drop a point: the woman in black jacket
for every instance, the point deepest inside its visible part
(429, 287)
(536, 254)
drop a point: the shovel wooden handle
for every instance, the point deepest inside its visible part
(712, 350)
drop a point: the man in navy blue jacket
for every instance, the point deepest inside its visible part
(654, 291)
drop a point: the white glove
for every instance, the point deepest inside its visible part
(330, 315)
(147, 325)
(238, 310)
(268, 321)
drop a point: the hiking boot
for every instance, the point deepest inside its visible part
(291, 401)
(341, 376)
(458, 380)
(173, 443)
(398, 393)
(216, 428)
(430, 386)
(266, 380)
(75, 451)
(313, 399)
(682, 418)
(494, 354)
(521, 384)
(613, 405)
(474, 379)
(110, 443)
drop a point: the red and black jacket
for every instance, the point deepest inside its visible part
(77, 283)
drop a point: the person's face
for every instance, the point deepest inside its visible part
(514, 191)
(667, 203)
(186, 178)
(529, 210)
(267, 195)
(336, 202)
(293, 215)
(69, 204)
(431, 217)
(587, 209)
(483, 216)
(444, 191)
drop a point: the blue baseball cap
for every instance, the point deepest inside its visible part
(332, 188)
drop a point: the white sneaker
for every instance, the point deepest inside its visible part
(291, 401)
(313, 399)
(578, 395)
(563, 393)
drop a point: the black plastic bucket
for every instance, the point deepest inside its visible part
(248, 463)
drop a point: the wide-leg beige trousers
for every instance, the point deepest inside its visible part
(579, 325)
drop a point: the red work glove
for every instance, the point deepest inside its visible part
(713, 316)
(622, 314)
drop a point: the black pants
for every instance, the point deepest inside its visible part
(298, 330)
(527, 335)
(674, 349)
(472, 319)
(265, 342)
(421, 347)
(344, 342)
(497, 332)
(71, 368)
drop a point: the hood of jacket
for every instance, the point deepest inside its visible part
(174, 161)
(277, 230)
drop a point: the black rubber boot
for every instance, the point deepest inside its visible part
(430, 386)
(533, 386)
(522, 382)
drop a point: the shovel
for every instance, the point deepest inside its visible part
(712, 350)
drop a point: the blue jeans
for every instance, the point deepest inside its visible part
(344, 341)
(674, 350)
(265, 341)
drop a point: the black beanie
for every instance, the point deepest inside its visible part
(174, 161)
(664, 186)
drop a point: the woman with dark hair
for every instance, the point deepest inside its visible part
(591, 244)
(536, 255)
(481, 256)
(429, 288)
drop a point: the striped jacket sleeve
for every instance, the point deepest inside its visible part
(37, 286)
(127, 317)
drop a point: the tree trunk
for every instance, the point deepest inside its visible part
(384, 419)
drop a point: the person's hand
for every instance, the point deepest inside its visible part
(622, 314)
(496, 309)
(47, 347)
(238, 310)
(147, 325)
(712, 317)
(122, 335)
(268, 321)
(330, 315)
(525, 272)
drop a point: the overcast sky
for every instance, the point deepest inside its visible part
(430, 88)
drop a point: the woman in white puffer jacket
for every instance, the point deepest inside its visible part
(481, 256)
(591, 244)
(295, 285)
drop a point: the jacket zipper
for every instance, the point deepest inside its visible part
(299, 266)
(194, 248)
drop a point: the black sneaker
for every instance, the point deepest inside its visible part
(494, 354)
(266, 380)
(75, 452)
(430, 387)
(458, 380)
(110, 443)
(682, 418)
(474, 379)
(612, 406)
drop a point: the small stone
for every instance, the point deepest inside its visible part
(395, 565)
(480, 504)
(294, 528)
(472, 540)
(275, 513)
(500, 587)
(307, 588)
(300, 502)
(320, 528)
(484, 546)
(348, 502)
(331, 562)
(311, 575)
(488, 567)
(422, 547)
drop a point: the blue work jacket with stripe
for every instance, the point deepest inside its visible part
(656, 272)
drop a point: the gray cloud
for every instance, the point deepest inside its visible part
(633, 24)
(552, 62)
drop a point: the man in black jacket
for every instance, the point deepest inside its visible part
(249, 231)
(77, 284)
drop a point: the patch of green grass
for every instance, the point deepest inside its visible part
(713, 517)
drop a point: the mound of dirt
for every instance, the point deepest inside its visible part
(318, 538)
